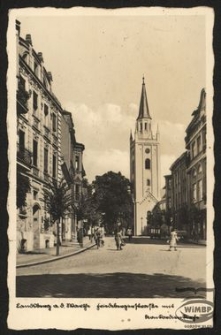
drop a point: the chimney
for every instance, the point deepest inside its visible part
(40, 56)
(28, 39)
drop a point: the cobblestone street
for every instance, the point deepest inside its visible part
(139, 270)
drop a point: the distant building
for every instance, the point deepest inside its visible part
(168, 197)
(179, 208)
(196, 169)
(144, 166)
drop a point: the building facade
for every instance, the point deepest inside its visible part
(168, 198)
(196, 169)
(186, 186)
(179, 199)
(73, 171)
(144, 166)
(38, 144)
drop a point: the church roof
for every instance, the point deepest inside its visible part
(144, 109)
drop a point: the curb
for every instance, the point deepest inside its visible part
(56, 258)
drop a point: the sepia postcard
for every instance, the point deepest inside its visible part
(111, 168)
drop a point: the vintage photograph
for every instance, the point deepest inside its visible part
(113, 164)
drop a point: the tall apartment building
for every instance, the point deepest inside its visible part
(73, 171)
(38, 143)
(196, 148)
(186, 186)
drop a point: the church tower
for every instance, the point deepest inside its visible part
(144, 165)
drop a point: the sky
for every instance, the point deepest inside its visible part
(97, 64)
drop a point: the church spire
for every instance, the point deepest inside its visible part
(144, 109)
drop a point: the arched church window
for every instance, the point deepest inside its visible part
(148, 182)
(147, 163)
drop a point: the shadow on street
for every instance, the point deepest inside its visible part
(109, 285)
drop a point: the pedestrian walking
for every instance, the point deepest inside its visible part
(102, 233)
(95, 230)
(99, 235)
(173, 240)
(118, 235)
(129, 233)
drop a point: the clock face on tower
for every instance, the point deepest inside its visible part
(147, 150)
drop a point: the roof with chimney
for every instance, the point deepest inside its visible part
(144, 112)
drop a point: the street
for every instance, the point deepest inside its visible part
(138, 271)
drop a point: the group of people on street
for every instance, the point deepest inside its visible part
(96, 233)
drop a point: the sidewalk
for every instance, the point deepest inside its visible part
(41, 256)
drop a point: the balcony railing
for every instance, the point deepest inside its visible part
(24, 155)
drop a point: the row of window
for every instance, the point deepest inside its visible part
(198, 145)
(35, 105)
(146, 126)
(46, 159)
(46, 112)
(37, 69)
(35, 154)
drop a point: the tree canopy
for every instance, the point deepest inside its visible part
(111, 197)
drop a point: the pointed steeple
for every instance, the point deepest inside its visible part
(144, 109)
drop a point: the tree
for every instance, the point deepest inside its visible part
(58, 202)
(23, 187)
(87, 205)
(111, 196)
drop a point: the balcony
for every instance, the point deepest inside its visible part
(22, 100)
(24, 156)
